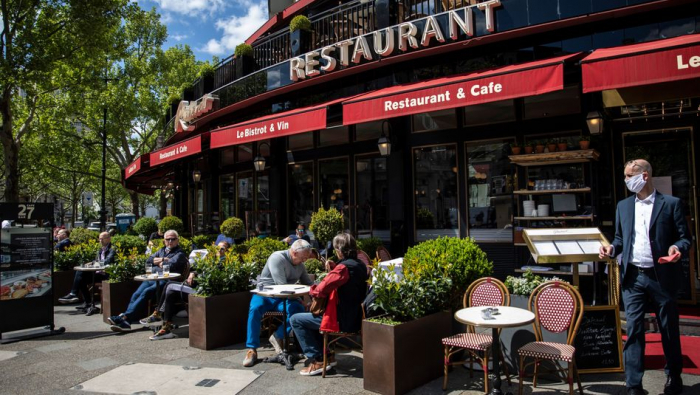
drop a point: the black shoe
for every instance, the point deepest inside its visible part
(70, 298)
(674, 385)
(635, 391)
(92, 310)
(83, 306)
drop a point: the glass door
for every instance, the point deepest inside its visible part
(670, 154)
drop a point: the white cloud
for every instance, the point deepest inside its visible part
(178, 37)
(237, 29)
(192, 7)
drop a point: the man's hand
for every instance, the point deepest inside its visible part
(605, 252)
(674, 250)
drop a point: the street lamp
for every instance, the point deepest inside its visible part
(259, 161)
(384, 144)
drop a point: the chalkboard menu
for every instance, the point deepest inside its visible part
(598, 341)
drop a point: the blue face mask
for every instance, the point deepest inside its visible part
(636, 183)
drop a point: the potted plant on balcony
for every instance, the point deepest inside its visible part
(206, 73)
(245, 63)
(300, 35)
(218, 310)
(515, 148)
(436, 274)
(584, 142)
(117, 290)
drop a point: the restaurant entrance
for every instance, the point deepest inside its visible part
(670, 152)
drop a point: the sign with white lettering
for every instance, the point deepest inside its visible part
(474, 88)
(284, 124)
(177, 151)
(598, 341)
(134, 167)
(188, 112)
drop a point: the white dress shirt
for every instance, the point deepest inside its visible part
(641, 249)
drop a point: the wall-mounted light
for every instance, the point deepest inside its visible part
(595, 122)
(259, 161)
(196, 175)
(384, 144)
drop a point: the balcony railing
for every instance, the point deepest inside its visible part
(342, 23)
(272, 50)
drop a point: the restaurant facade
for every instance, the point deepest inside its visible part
(408, 116)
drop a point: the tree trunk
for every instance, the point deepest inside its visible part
(10, 148)
(163, 211)
(134, 196)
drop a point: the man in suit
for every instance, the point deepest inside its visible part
(648, 226)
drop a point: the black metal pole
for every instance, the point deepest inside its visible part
(103, 206)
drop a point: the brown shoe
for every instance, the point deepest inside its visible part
(314, 369)
(250, 358)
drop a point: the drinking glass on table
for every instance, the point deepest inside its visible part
(149, 267)
(166, 270)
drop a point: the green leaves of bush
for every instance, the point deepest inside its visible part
(127, 265)
(315, 267)
(527, 283)
(370, 245)
(233, 227)
(145, 226)
(261, 249)
(75, 255)
(300, 22)
(127, 243)
(82, 235)
(215, 277)
(326, 224)
(171, 223)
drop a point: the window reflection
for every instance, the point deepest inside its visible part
(301, 193)
(435, 181)
(372, 197)
(435, 120)
(245, 152)
(244, 193)
(490, 187)
(333, 178)
(228, 195)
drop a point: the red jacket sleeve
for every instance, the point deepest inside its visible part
(333, 280)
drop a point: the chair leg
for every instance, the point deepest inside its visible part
(325, 354)
(520, 375)
(534, 378)
(447, 365)
(570, 378)
(471, 365)
(578, 378)
(486, 372)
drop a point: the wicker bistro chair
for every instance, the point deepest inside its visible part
(383, 254)
(486, 291)
(558, 307)
(330, 338)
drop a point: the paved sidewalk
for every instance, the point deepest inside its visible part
(57, 364)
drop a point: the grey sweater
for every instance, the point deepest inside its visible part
(279, 270)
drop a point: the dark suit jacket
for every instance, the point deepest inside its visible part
(109, 258)
(668, 227)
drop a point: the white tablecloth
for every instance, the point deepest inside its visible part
(398, 267)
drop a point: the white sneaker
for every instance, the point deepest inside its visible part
(161, 336)
(250, 358)
(276, 344)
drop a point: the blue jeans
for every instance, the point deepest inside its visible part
(146, 291)
(639, 293)
(260, 305)
(306, 329)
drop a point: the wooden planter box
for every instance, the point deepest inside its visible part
(218, 321)
(116, 297)
(399, 358)
(62, 284)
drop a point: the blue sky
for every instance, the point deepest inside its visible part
(209, 27)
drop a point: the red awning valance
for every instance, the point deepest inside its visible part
(672, 59)
(176, 151)
(276, 125)
(133, 168)
(485, 86)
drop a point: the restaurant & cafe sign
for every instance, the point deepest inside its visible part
(405, 36)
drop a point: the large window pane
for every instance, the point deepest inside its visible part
(435, 180)
(370, 131)
(263, 188)
(372, 197)
(489, 113)
(435, 120)
(301, 193)
(333, 136)
(226, 157)
(244, 193)
(227, 190)
(244, 152)
(490, 186)
(300, 141)
(333, 183)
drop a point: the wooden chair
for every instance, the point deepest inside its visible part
(383, 254)
(364, 258)
(558, 307)
(330, 338)
(486, 291)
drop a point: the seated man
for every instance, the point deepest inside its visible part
(300, 233)
(81, 280)
(283, 267)
(171, 254)
(63, 240)
(349, 278)
(176, 292)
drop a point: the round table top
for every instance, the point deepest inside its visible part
(157, 277)
(507, 317)
(89, 268)
(283, 291)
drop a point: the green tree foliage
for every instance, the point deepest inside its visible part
(171, 223)
(145, 226)
(232, 227)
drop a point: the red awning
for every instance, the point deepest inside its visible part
(276, 125)
(484, 86)
(133, 168)
(176, 151)
(672, 59)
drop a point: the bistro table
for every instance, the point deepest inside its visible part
(91, 267)
(286, 292)
(157, 277)
(507, 317)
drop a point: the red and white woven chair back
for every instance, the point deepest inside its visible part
(383, 254)
(364, 258)
(555, 309)
(486, 294)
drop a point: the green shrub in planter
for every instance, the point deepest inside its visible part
(145, 226)
(217, 278)
(527, 283)
(233, 227)
(370, 245)
(300, 22)
(206, 70)
(171, 223)
(203, 241)
(326, 224)
(410, 298)
(127, 243)
(75, 255)
(460, 260)
(127, 265)
(261, 249)
(82, 235)
(315, 267)
(243, 50)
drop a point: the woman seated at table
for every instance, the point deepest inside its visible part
(346, 287)
(176, 292)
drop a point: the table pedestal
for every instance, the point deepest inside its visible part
(496, 356)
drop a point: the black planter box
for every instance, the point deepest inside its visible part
(218, 321)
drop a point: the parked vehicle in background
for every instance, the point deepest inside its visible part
(96, 226)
